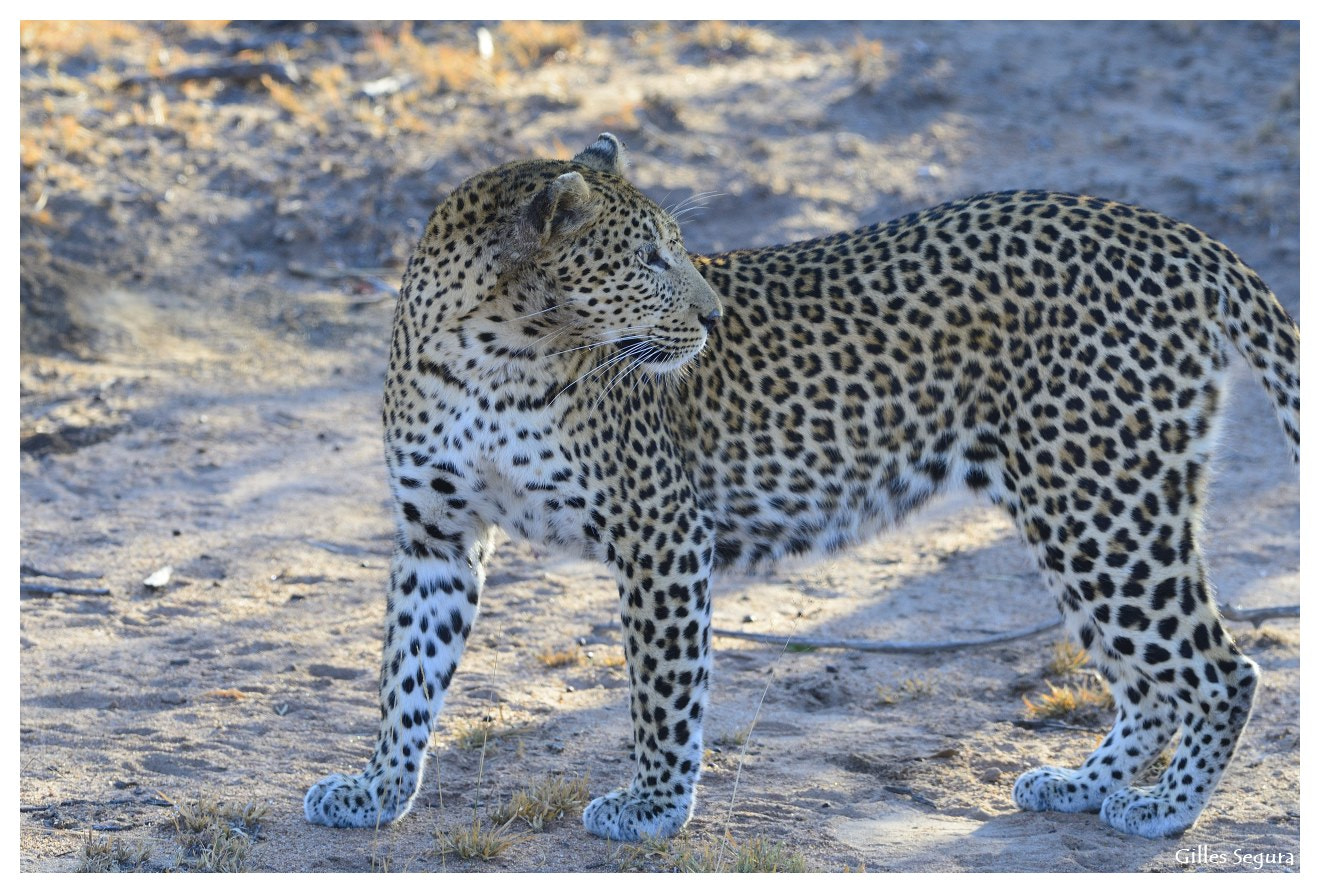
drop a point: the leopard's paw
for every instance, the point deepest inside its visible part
(1058, 790)
(353, 801)
(1144, 812)
(623, 815)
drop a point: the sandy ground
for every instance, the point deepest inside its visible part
(191, 397)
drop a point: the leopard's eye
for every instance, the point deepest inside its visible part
(651, 256)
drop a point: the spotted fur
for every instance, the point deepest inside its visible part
(1062, 355)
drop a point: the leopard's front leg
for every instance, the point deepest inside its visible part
(666, 627)
(435, 585)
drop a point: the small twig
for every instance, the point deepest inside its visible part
(340, 549)
(892, 647)
(904, 791)
(47, 589)
(1257, 616)
(28, 570)
(372, 278)
(118, 801)
(1254, 616)
(238, 71)
(1055, 724)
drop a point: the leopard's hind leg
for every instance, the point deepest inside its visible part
(1132, 585)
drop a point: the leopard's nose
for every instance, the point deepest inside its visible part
(710, 319)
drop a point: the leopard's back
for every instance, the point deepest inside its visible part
(1023, 344)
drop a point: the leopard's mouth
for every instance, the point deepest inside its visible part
(658, 357)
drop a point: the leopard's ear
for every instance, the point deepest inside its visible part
(606, 154)
(561, 208)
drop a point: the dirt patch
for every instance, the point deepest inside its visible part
(212, 219)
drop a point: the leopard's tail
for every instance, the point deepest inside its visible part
(1267, 337)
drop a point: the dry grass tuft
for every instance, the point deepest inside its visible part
(1084, 699)
(613, 659)
(289, 99)
(1065, 658)
(487, 732)
(870, 64)
(529, 44)
(686, 855)
(908, 690)
(476, 841)
(764, 856)
(733, 738)
(574, 656)
(725, 38)
(437, 68)
(546, 800)
(216, 837)
(1079, 701)
(100, 855)
(560, 657)
(50, 42)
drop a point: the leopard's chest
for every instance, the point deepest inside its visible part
(525, 477)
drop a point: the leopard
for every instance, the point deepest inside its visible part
(563, 370)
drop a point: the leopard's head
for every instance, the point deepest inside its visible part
(581, 260)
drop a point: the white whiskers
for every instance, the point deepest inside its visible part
(692, 205)
(617, 336)
(645, 352)
(613, 360)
